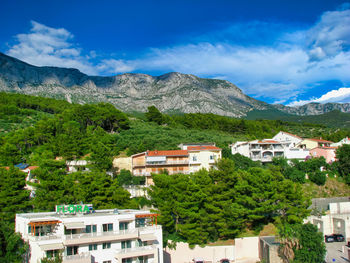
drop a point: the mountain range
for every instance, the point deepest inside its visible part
(172, 92)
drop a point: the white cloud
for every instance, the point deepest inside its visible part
(281, 69)
(47, 46)
(113, 66)
(341, 95)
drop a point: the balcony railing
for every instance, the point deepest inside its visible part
(81, 257)
(46, 237)
(134, 249)
(168, 163)
(101, 234)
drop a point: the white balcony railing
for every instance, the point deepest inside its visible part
(46, 237)
(168, 163)
(80, 256)
(134, 249)
(101, 234)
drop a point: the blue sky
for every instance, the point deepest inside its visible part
(289, 52)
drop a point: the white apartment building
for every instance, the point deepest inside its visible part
(259, 150)
(84, 235)
(283, 144)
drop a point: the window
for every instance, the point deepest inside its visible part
(126, 244)
(107, 227)
(140, 222)
(123, 225)
(107, 261)
(141, 243)
(92, 247)
(127, 260)
(211, 157)
(106, 245)
(143, 259)
(91, 228)
(52, 253)
(73, 250)
(194, 158)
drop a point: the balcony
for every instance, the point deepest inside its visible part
(185, 162)
(141, 174)
(136, 252)
(84, 257)
(51, 236)
(84, 238)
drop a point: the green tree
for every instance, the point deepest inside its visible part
(12, 248)
(154, 115)
(343, 156)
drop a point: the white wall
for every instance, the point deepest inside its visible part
(247, 248)
(184, 254)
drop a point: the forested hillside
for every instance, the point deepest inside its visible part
(203, 207)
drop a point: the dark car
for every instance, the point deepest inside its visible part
(225, 260)
(334, 238)
(338, 237)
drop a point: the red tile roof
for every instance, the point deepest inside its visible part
(319, 140)
(269, 141)
(168, 153)
(203, 148)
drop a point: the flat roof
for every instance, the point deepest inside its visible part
(105, 212)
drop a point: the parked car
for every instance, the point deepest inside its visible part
(334, 238)
(224, 260)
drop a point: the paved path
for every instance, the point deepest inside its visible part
(335, 254)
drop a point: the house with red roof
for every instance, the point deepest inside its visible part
(313, 143)
(190, 158)
(329, 153)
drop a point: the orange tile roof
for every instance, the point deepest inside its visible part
(269, 141)
(203, 148)
(168, 153)
(5, 167)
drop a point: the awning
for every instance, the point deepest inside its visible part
(148, 237)
(54, 246)
(74, 225)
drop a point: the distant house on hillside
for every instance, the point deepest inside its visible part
(288, 139)
(281, 145)
(329, 153)
(313, 143)
(77, 166)
(346, 140)
(190, 158)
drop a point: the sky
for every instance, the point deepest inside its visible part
(288, 52)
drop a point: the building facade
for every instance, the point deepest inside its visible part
(313, 143)
(187, 160)
(329, 153)
(83, 235)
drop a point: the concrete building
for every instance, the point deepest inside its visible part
(259, 150)
(187, 160)
(334, 219)
(329, 153)
(77, 166)
(313, 143)
(346, 140)
(84, 235)
(122, 163)
(288, 139)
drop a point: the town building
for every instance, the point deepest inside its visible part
(288, 139)
(259, 150)
(331, 216)
(283, 144)
(313, 143)
(329, 153)
(346, 140)
(77, 166)
(190, 158)
(84, 235)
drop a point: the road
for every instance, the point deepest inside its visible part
(335, 254)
